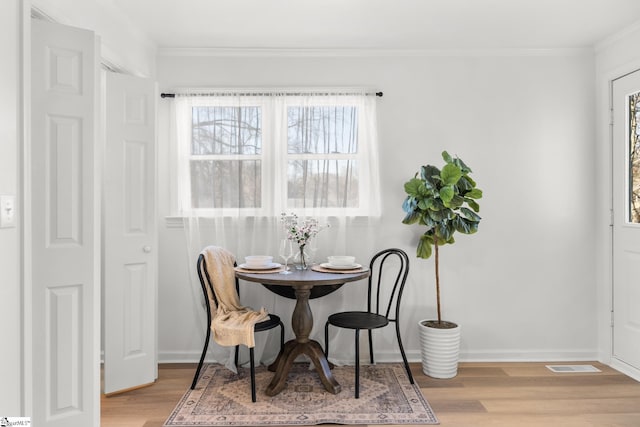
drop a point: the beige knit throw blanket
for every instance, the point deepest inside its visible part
(231, 324)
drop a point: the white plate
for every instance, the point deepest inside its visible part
(261, 267)
(340, 267)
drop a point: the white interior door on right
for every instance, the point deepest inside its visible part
(129, 221)
(626, 220)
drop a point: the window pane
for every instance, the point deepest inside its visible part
(226, 130)
(322, 130)
(226, 183)
(634, 158)
(322, 183)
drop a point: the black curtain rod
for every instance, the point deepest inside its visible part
(173, 95)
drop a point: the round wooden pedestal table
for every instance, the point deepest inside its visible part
(302, 282)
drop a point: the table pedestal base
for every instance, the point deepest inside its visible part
(282, 365)
(302, 282)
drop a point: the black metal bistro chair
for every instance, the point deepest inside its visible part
(376, 316)
(272, 322)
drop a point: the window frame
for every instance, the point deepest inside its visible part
(275, 157)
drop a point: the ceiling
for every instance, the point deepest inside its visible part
(380, 24)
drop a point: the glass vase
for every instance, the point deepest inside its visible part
(301, 259)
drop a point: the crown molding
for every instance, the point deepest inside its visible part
(615, 37)
(363, 53)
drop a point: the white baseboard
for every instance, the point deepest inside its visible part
(625, 368)
(498, 356)
(530, 355)
(414, 356)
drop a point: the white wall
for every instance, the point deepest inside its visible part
(10, 291)
(523, 288)
(122, 43)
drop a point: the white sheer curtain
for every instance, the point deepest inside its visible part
(303, 159)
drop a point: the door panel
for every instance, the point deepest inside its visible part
(130, 254)
(65, 227)
(626, 223)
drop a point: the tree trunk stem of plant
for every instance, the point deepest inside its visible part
(437, 281)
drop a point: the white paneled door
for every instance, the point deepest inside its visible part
(626, 221)
(129, 223)
(62, 225)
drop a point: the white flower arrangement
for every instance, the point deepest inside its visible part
(301, 232)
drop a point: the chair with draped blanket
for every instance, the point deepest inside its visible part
(231, 323)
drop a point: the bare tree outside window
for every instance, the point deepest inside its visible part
(322, 149)
(634, 158)
(226, 145)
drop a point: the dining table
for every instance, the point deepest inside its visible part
(302, 285)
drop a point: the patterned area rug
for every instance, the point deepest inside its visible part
(223, 398)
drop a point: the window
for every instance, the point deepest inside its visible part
(322, 157)
(246, 154)
(634, 158)
(226, 157)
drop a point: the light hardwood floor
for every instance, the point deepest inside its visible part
(483, 394)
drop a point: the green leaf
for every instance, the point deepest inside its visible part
(430, 174)
(443, 231)
(429, 186)
(411, 217)
(424, 204)
(446, 194)
(473, 205)
(456, 202)
(471, 181)
(462, 225)
(436, 204)
(471, 215)
(466, 226)
(437, 216)
(446, 157)
(464, 185)
(427, 220)
(449, 214)
(412, 187)
(424, 246)
(450, 174)
(458, 162)
(426, 190)
(476, 193)
(409, 204)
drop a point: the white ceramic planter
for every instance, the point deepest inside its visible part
(440, 350)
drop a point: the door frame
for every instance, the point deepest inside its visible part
(24, 179)
(604, 215)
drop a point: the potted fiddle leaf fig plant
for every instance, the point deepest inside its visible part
(443, 202)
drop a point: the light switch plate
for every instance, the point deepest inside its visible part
(7, 211)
